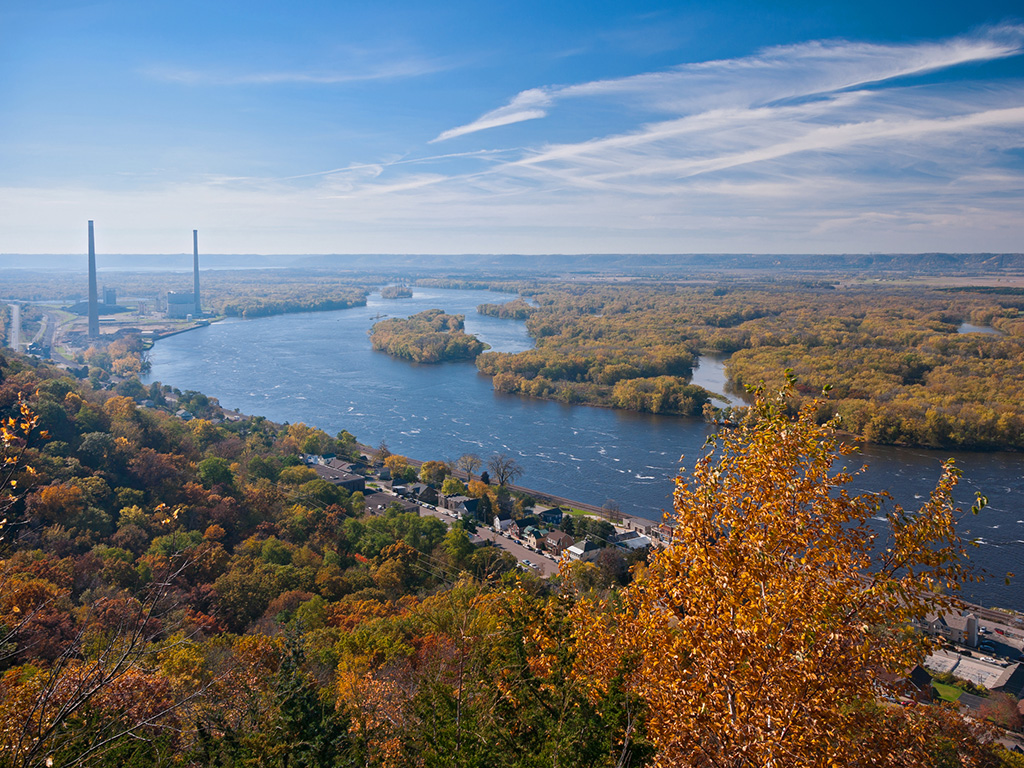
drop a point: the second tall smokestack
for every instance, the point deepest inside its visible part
(195, 269)
(94, 310)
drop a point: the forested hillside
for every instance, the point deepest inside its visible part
(189, 593)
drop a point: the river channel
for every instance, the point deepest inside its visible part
(319, 368)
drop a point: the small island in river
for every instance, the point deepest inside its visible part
(517, 309)
(428, 337)
(396, 292)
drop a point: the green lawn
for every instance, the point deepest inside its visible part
(576, 512)
(947, 692)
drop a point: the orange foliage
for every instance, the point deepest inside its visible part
(764, 633)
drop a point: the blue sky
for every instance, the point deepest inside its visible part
(500, 127)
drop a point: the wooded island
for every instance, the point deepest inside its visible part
(900, 365)
(427, 337)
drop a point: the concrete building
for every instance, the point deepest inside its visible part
(109, 297)
(180, 305)
(631, 540)
(347, 480)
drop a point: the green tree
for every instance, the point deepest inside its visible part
(457, 546)
(311, 733)
(453, 487)
(434, 472)
(215, 471)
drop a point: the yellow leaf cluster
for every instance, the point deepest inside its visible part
(762, 634)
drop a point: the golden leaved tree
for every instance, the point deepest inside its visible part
(772, 630)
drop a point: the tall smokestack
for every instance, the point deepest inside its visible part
(94, 310)
(195, 269)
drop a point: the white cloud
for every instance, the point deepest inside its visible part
(832, 138)
(824, 146)
(528, 105)
(379, 167)
(796, 71)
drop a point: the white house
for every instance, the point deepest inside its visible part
(502, 522)
(583, 550)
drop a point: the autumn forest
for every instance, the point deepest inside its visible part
(189, 592)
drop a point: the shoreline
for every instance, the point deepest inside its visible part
(625, 522)
(991, 614)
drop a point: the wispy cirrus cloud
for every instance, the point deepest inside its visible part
(722, 141)
(818, 147)
(780, 73)
(379, 167)
(785, 149)
(528, 105)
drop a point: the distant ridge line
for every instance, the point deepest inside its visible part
(901, 262)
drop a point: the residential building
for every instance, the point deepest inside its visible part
(957, 628)
(582, 551)
(347, 480)
(534, 536)
(557, 542)
(551, 517)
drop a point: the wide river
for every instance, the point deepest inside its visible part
(318, 368)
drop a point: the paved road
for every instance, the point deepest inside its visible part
(627, 522)
(544, 566)
(44, 325)
(14, 334)
(52, 323)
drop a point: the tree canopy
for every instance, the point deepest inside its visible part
(173, 594)
(764, 635)
(427, 337)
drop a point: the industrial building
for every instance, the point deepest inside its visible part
(181, 305)
(184, 305)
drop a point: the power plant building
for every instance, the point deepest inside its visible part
(181, 305)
